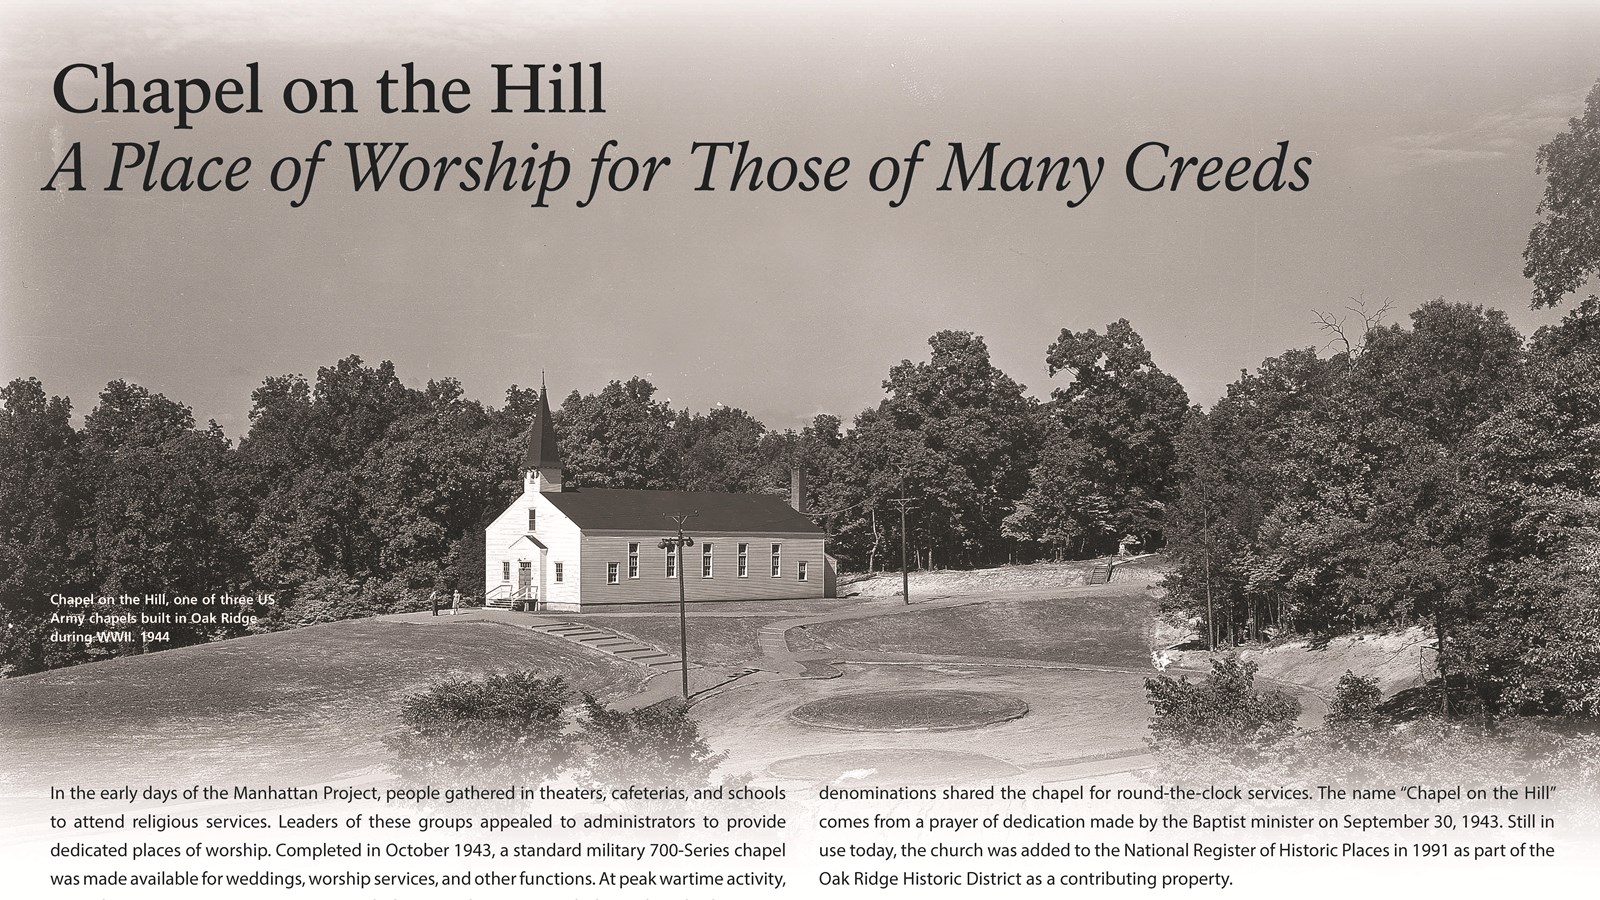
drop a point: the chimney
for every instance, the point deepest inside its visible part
(797, 489)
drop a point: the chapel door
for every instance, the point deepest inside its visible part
(524, 578)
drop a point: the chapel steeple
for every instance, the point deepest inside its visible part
(541, 460)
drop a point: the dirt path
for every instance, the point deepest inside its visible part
(1085, 719)
(1097, 711)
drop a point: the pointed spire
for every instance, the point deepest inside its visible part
(542, 452)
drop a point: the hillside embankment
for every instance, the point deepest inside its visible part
(1029, 576)
(1399, 659)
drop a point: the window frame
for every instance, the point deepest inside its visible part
(633, 561)
(671, 560)
(777, 559)
(800, 570)
(707, 560)
(505, 571)
(613, 573)
(560, 573)
(533, 515)
(744, 560)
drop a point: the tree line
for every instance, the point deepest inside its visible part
(354, 494)
(1442, 475)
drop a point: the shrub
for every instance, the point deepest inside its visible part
(520, 727)
(467, 730)
(1353, 713)
(326, 599)
(393, 596)
(658, 744)
(1224, 712)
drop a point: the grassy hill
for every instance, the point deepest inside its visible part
(1105, 627)
(312, 704)
(293, 707)
(1027, 576)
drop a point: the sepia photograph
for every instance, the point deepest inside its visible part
(891, 403)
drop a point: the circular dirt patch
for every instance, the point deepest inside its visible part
(910, 711)
(879, 766)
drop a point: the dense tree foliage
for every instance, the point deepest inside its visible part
(956, 434)
(620, 437)
(42, 497)
(1444, 476)
(1110, 436)
(1563, 252)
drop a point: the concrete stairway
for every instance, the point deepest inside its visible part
(1100, 574)
(616, 644)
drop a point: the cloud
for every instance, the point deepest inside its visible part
(1505, 134)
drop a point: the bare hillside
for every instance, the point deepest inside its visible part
(1398, 659)
(951, 582)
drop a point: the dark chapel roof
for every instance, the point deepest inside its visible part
(718, 511)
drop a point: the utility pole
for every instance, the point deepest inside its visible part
(676, 544)
(904, 503)
(1211, 619)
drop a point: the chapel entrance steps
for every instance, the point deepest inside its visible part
(504, 597)
(613, 643)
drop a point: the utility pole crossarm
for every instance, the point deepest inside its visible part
(904, 504)
(676, 544)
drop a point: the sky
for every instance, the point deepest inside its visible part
(1421, 121)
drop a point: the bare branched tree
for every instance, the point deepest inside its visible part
(1350, 329)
